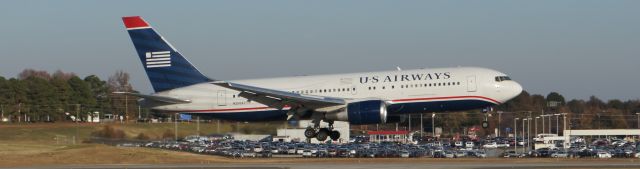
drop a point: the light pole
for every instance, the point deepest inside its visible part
(529, 132)
(524, 120)
(557, 126)
(637, 114)
(535, 124)
(550, 115)
(499, 122)
(433, 125)
(515, 134)
(542, 116)
(421, 127)
(409, 122)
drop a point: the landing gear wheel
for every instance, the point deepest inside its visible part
(310, 133)
(334, 135)
(322, 134)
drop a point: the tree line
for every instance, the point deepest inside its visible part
(39, 96)
(36, 95)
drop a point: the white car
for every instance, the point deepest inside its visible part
(604, 154)
(458, 144)
(490, 145)
(469, 144)
(503, 145)
(404, 154)
(560, 154)
(307, 153)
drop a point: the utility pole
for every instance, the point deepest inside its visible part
(557, 126)
(564, 123)
(638, 114)
(2, 107)
(515, 135)
(433, 125)
(499, 122)
(542, 116)
(529, 132)
(409, 122)
(421, 127)
(139, 115)
(536, 126)
(524, 120)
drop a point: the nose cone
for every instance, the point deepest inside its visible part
(515, 89)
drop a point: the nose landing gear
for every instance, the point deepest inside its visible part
(485, 112)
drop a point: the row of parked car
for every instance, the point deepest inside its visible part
(233, 148)
(434, 148)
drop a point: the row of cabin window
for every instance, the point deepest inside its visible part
(324, 90)
(420, 85)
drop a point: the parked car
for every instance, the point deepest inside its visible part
(404, 154)
(490, 145)
(469, 144)
(559, 154)
(603, 154)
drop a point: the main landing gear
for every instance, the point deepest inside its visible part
(322, 133)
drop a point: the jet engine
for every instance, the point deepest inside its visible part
(361, 112)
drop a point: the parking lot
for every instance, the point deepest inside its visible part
(485, 148)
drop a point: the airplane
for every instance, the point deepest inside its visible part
(357, 98)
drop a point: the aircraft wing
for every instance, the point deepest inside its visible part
(163, 99)
(279, 99)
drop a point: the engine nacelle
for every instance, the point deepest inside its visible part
(362, 112)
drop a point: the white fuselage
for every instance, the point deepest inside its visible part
(441, 85)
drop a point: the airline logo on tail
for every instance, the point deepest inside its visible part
(158, 59)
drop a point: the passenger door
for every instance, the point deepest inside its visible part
(222, 98)
(471, 84)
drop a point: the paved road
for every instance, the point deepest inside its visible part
(355, 165)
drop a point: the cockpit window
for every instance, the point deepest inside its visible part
(502, 78)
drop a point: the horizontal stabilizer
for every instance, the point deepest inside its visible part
(163, 99)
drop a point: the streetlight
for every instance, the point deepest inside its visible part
(550, 115)
(638, 114)
(515, 134)
(542, 116)
(536, 126)
(557, 126)
(433, 125)
(421, 127)
(499, 122)
(524, 120)
(529, 131)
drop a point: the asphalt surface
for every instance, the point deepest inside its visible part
(356, 165)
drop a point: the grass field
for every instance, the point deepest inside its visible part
(53, 143)
(35, 145)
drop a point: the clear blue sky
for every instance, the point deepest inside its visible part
(578, 48)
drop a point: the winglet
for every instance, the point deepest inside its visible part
(134, 22)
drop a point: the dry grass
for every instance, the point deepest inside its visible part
(34, 145)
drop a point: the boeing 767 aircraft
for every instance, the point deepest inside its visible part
(357, 98)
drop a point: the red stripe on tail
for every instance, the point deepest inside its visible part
(134, 22)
